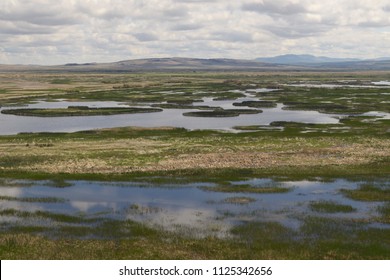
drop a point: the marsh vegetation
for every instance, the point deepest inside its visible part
(78, 111)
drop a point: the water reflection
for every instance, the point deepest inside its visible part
(186, 205)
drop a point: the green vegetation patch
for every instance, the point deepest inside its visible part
(256, 104)
(324, 228)
(330, 207)
(260, 233)
(221, 113)
(232, 188)
(263, 128)
(61, 81)
(34, 199)
(184, 106)
(239, 200)
(79, 111)
(59, 183)
(58, 217)
(368, 192)
(385, 211)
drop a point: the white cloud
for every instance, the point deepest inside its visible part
(52, 32)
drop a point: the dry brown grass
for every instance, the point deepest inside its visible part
(114, 156)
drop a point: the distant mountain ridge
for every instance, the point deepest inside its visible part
(153, 64)
(190, 63)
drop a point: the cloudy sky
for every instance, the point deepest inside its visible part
(64, 31)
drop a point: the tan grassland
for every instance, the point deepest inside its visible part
(114, 156)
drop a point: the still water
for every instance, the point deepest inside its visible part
(11, 124)
(186, 205)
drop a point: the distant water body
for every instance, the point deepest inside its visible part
(11, 124)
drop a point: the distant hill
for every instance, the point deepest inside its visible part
(304, 59)
(154, 64)
(181, 63)
(279, 63)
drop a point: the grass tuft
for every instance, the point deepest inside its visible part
(368, 192)
(330, 207)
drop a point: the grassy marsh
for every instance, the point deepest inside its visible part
(368, 192)
(330, 207)
(232, 188)
(221, 113)
(256, 104)
(78, 111)
(358, 147)
(33, 199)
(384, 210)
(266, 240)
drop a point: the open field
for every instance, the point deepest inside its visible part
(355, 148)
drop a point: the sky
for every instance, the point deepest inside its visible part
(69, 31)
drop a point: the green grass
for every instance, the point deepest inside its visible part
(57, 217)
(326, 228)
(384, 210)
(78, 111)
(58, 183)
(34, 199)
(232, 188)
(183, 106)
(60, 81)
(259, 240)
(221, 113)
(368, 192)
(256, 104)
(330, 207)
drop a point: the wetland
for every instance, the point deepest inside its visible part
(216, 165)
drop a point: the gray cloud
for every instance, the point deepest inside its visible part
(287, 19)
(41, 31)
(195, 1)
(374, 24)
(23, 28)
(232, 36)
(175, 13)
(295, 32)
(38, 14)
(186, 26)
(278, 7)
(146, 37)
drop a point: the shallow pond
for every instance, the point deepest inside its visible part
(11, 124)
(190, 205)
